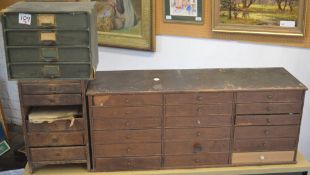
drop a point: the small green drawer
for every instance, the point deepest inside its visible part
(49, 54)
(47, 38)
(51, 71)
(76, 21)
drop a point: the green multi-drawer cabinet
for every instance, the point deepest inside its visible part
(50, 40)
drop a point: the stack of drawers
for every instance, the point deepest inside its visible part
(267, 127)
(126, 132)
(197, 129)
(50, 40)
(57, 142)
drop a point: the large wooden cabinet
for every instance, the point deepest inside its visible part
(194, 118)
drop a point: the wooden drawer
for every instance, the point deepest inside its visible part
(195, 147)
(52, 100)
(251, 145)
(49, 54)
(270, 96)
(199, 98)
(127, 150)
(131, 123)
(269, 108)
(58, 154)
(263, 157)
(63, 125)
(127, 112)
(198, 134)
(47, 38)
(126, 136)
(128, 100)
(192, 122)
(56, 139)
(199, 110)
(129, 163)
(196, 160)
(49, 88)
(249, 120)
(51, 71)
(76, 21)
(251, 132)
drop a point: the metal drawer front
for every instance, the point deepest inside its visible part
(48, 54)
(43, 71)
(42, 21)
(47, 38)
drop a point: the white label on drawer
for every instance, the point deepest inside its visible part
(287, 23)
(24, 18)
(169, 17)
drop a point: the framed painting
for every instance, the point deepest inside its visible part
(126, 24)
(184, 11)
(268, 17)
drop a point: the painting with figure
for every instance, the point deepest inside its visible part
(183, 8)
(260, 12)
(119, 16)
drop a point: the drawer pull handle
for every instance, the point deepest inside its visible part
(198, 122)
(126, 100)
(199, 98)
(268, 121)
(264, 144)
(55, 140)
(101, 104)
(262, 157)
(267, 132)
(197, 161)
(269, 97)
(128, 150)
(268, 109)
(198, 109)
(198, 134)
(197, 148)
(127, 123)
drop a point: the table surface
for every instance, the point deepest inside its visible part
(302, 166)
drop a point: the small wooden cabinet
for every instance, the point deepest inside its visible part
(59, 142)
(194, 118)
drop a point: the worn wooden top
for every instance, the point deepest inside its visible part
(199, 80)
(53, 7)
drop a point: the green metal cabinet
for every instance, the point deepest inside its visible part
(50, 40)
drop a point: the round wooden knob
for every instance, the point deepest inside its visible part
(126, 100)
(269, 97)
(199, 98)
(127, 123)
(262, 157)
(101, 104)
(198, 134)
(198, 122)
(267, 132)
(268, 121)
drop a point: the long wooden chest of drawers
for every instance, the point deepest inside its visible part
(50, 40)
(194, 118)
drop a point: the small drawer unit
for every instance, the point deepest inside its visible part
(50, 40)
(50, 141)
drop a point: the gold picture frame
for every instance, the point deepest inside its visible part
(228, 17)
(113, 30)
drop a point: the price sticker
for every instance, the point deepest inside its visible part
(287, 23)
(24, 18)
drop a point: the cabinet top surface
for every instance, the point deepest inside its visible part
(53, 7)
(189, 80)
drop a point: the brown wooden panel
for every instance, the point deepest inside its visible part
(44, 88)
(52, 100)
(277, 144)
(126, 136)
(198, 134)
(196, 160)
(199, 98)
(58, 154)
(127, 112)
(129, 163)
(269, 108)
(247, 120)
(199, 110)
(127, 150)
(250, 132)
(190, 122)
(131, 123)
(56, 139)
(263, 157)
(269, 96)
(128, 100)
(194, 147)
(62, 125)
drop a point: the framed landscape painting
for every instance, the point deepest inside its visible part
(184, 11)
(269, 17)
(126, 24)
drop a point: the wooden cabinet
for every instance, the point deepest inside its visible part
(194, 118)
(62, 141)
(58, 41)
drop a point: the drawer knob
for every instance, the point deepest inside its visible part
(269, 97)
(197, 148)
(54, 139)
(268, 121)
(267, 132)
(199, 98)
(128, 150)
(101, 104)
(52, 100)
(198, 134)
(126, 100)
(198, 109)
(268, 109)
(264, 144)
(198, 122)
(57, 154)
(127, 123)
(262, 157)
(197, 161)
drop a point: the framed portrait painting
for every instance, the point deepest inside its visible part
(184, 11)
(126, 24)
(268, 17)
